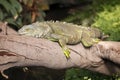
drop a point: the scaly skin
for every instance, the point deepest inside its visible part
(62, 32)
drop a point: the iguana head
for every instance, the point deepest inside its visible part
(37, 29)
(25, 30)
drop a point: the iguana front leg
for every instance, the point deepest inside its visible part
(62, 40)
(64, 48)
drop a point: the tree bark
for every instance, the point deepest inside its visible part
(16, 50)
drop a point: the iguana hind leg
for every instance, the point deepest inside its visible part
(88, 38)
(88, 42)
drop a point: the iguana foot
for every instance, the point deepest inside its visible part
(96, 40)
(88, 42)
(66, 52)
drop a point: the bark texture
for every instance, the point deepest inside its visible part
(16, 50)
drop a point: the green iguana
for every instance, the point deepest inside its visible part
(62, 32)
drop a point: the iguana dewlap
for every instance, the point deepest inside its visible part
(62, 32)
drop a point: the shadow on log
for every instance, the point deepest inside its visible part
(16, 50)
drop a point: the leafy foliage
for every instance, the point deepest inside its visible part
(18, 13)
(84, 16)
(81, 74)
(33, 10)
(109, 21)
(9, 11)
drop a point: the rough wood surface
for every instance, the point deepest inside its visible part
(16, 50)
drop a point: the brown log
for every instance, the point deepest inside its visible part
(16, 50)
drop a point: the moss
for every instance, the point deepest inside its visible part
(109, 22)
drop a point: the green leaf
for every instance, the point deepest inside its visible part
(19, 22)
(5, 4)
(10, 21)
(8, 7)
(15, 4)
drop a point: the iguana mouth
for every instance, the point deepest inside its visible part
(21, 33)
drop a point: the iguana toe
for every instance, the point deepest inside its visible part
(66, 52)
(95, 40)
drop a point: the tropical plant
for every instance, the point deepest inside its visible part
(10, 11)
(18, 13)
(109, 21)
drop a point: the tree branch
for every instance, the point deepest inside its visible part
(19, 51)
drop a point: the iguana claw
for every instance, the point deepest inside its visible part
(66, 52)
